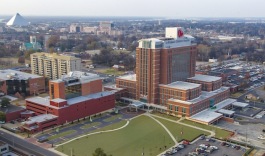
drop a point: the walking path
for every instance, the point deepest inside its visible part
(169, 133)
(95, 133)
(181, 123)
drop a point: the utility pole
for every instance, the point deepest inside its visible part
(246, 137)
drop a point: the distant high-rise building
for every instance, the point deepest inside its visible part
(105, 27)
(53, 65)
(76, 28)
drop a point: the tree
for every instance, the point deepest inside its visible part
(2, 116)
(52, 41)
(5, 102)
(100, 152)
(21, 60)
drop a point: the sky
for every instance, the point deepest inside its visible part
(144, 8)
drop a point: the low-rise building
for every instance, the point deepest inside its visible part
(14, 82)
(73, 97)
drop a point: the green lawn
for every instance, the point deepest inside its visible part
(188, 132)
(219, 133)
(112, 118)
(110, 127)
(61, 134)
(166, 116)
(110, 71)
(142, 133)
(86, 126)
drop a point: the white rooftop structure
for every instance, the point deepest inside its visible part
(17, 20)
(205, 78)
(9, 74)
(58, 100)
(46, 101)
(226, 112)
(78, 77)
(130, 77)
(40, 118)
(206, 116)
(210, 115)
(182, 85)
(174, 37)
(240, 104)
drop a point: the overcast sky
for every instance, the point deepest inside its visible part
(157, 8)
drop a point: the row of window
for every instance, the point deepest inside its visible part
(177, 108)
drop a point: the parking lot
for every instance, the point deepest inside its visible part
(202, 148)
(248, 111)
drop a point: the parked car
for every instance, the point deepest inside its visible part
(185, 142)
(43, 139)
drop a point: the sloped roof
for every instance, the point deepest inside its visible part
(17, 20)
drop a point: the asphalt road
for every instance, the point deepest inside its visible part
(24, 145)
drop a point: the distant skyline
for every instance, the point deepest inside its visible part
(144, 8)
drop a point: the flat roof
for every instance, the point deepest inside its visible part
(240, 104)
(41, 101)
(114, 87)
(9, 74)
(137, 104)
(204, 95)
(206, 116)
(209, 114)
(54, 55)
(182, 85)
(130, 77)
(205, 78)
(88, 97)
(40, 118)
(58, 100)
(81, 77)
(225, 111)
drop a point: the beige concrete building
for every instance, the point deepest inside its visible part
(53, 65)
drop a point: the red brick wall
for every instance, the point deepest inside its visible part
(84, 109)
(91, 87)
(59, 90)
(36, 85)
(130, 87)
(13, 115)
(3, 88)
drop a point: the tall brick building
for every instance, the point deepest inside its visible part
(165, 76)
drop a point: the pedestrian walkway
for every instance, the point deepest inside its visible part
(181, 123)
(169, 133)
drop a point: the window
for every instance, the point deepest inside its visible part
(183, 110)
(3, 149)
(176, 108)
(170, 107)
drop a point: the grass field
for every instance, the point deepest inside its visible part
(219, 133)
(86, 126)
(188, 132)
(112, 118)
(166, 116)
(142, 134)
(110, 71)
(61, 134)
(112, 126)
